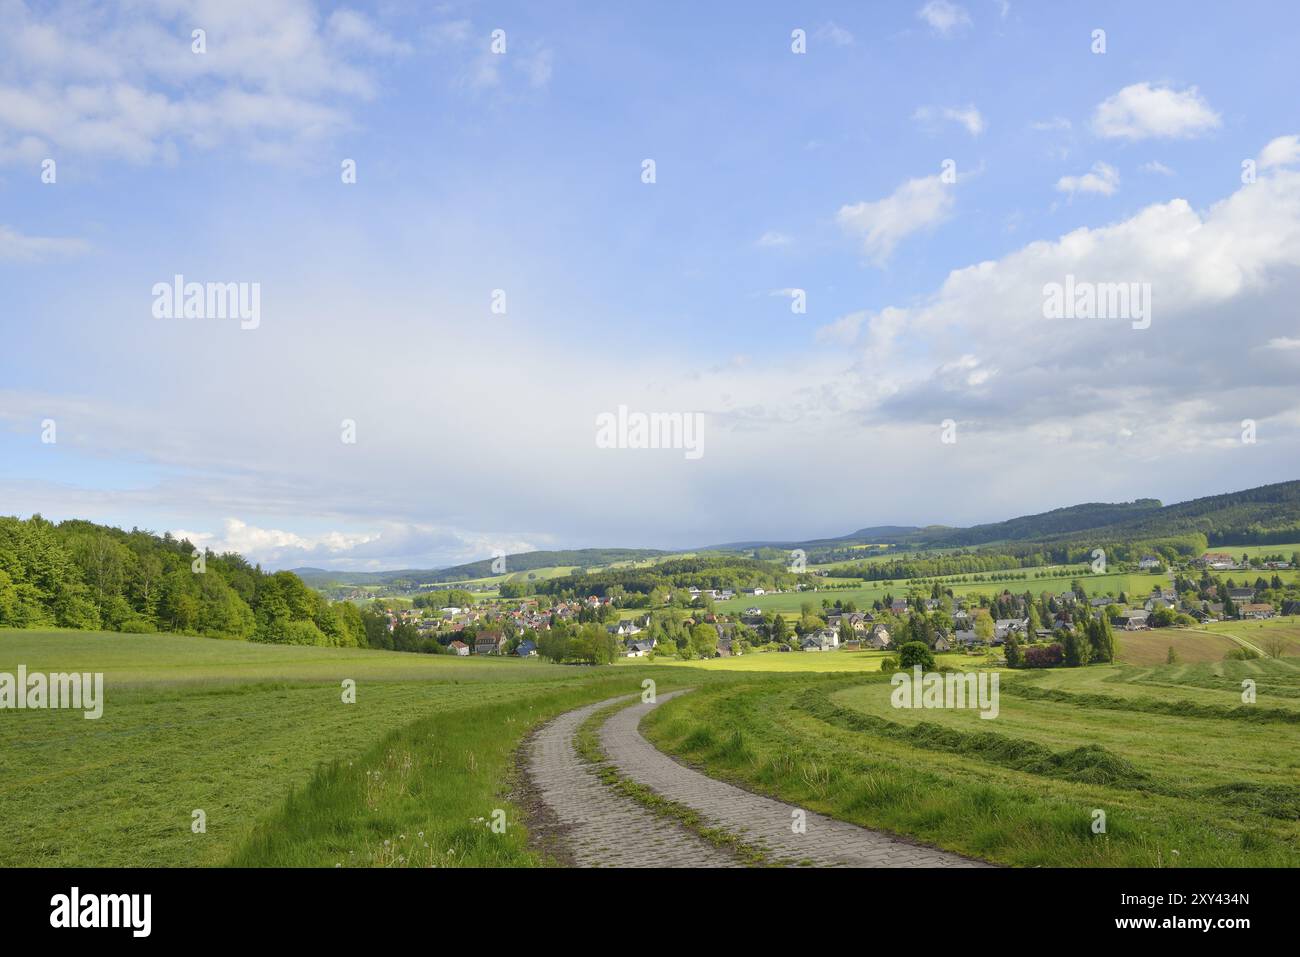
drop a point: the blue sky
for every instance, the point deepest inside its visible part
(521, 171)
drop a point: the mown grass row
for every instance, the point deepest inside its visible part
(764, 737)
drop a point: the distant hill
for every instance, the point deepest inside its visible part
(1266, 515)
(522, 562)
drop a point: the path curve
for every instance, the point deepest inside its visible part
(599, 827)
(825, 842)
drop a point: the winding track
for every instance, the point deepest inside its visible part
(604, 828)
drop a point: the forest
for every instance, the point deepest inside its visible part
(77, 574)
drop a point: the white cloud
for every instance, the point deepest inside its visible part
(1103, 179)
(843, 330)
(16, 246)
(944, 17)
(835, 34)
(1283, 151)
(1155, 166)
(352, 28)
(1141, 111)
(1055, 123)
(881, 225)
(122, 80)
(1284, 343)
(772, 238)
(968, 116)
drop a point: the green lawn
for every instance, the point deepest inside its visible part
(1183, 776)
(235, 728)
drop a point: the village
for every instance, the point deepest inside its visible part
(974, 623)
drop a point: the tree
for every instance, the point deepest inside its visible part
(704, 640)
(1076, 649)
(984, 628)
(1015, 657)
(915, 653)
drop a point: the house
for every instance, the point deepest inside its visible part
(878, 638)
(1241, 594)
(526, 649)
(639, 649)
(1102, 602)
(825, 640)
(1004, 626)
(942, 644)
(1149, 562)
(1217, 560)
(852, 645)
(965, 638)
(1249, 610)
(755, 591)
(723, 649)
(624, 628)
(490, 643)
(1133, 619)
(754, 611)
(898, 606)
(459, 647)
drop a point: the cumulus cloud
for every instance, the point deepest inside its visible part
(124, 82)
(1103, 179)
(881, 225)
(1283, 151)
(944, 17)
(1142, 111)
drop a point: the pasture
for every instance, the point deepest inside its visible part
(252, 734)
(1184, 772)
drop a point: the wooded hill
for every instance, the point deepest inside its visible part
(77, 574)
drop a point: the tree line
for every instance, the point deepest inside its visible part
(77, 574)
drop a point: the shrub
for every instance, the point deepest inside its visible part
(138, 626)
(1040, 657)
(915, 653)
(889, 665)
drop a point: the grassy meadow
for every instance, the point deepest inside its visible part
(257, 736)
(1185, 773)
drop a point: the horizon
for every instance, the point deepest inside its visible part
(468, 318)
(752, 542)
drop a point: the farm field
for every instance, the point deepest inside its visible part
(1256, 633)
(1190, 646)
(801, 662)
(235, 728)
(863, 596)
(1185, 774)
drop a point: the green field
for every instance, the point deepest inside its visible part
(1185, 774)
(800, 662)
(258, 738)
